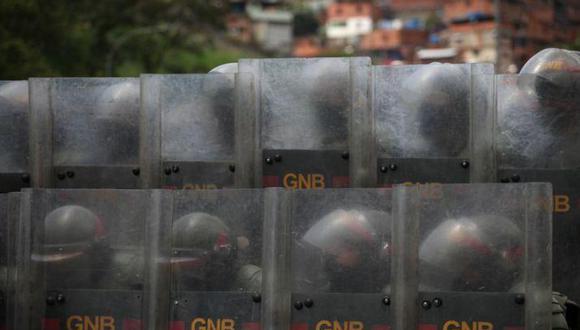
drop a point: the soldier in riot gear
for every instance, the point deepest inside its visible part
(552, 75)
(543, 113)
(434, 97)
(71, 234)
(204, 256)
(479, 253)
(77, 254)
(344, 251)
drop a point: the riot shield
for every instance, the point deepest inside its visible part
(188, 128)
(84, 262)
(482, 258)
(4, 264)
(301, 111)
(14, 171)
(9, 216)
(85, 132)
(537, 139)
(213, 251)
(340, 258)
(423, 117)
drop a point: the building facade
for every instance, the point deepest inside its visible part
(346, 23)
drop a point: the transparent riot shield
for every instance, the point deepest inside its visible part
(424, 119)
(481, 257)
(11, 226)
(188, 131)
(9, 216)
(340, 258)
(84, 263)
(301, 111)
(213, 251)
(14, 171)
(4, 264)
(85, 132)
(537, 140)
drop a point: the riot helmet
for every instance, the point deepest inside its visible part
(348, 247)
(204, 252)
(539, 118)
(477, 253)
(71, 234)
(553, 76)
(225, 68)
(435, 97)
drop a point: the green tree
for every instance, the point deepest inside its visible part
(96, 38)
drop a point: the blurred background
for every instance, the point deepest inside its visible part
(126, 38)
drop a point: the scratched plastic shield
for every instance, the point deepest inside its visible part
(14, 171)
(534, 132)
(196, 115)
(341, 244)
(484, 254)
(83, 258)
(95, 132)
(423, 117)
(5, 266)
(537, 140)
(302, 115)
(213, 252)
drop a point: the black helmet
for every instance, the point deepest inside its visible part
(69, 232)
(204, 251)
(434, 97)
(552, 75)
(350, 249)
(479, 253)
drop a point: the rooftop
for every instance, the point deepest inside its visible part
(348, 10)
(278, 16)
